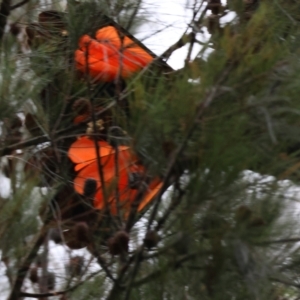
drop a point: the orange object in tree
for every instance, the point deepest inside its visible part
(127, 181)
(110, 55)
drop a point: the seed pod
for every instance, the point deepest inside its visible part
(243, 213)
(78, 236)
(90, 188)
(82, 232)
(118, 243)
(14, 29)
(33, 275)
(151, 239)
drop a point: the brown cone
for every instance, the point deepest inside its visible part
(118, 243)
(151, 239)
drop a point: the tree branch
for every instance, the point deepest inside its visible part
(136, 9)
(285, 282)
(4, 13)
(185, 38)
(45, 138)
(203, 105)
(160, 271)
(52, 294)
(21, 3)
(22, 271)
(282, 241)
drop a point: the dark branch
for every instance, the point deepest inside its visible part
(42, 295)
(52, 294)
(45, 138)
(282, 241)
(4, 13)
(22, 271)
(136, 9)
(167, 268)
(203, 105)
(21, 3)
(185, 38)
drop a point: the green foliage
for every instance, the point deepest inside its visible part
(223, 144)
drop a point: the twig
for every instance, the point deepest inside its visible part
(103, 265)
(43, 282)
(174, 203)
(136, 9)
(97, 145)
(201, 109)
(282, 241)
(134, 206)
(52, 294)
(159, 272)
(117, 286)
(285, 282)
(17, 5)
(184, 39)
(22, 271)
(4, 13)
(193, 34)
(45, 138)
(117, 178)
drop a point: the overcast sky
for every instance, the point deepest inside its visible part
(168, 20)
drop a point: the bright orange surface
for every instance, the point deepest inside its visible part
(110, 56)
(82, 152)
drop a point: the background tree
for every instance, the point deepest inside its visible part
(222, 134)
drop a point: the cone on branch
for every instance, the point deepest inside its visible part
(119, 243)
(151, 239)
(33, 275)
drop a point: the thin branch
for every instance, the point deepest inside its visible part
(117, 286)
(174, 203)
(134, 206)
(160, 271)
(135, 269)
(21, 3)
(117, 178)
(4, 13)
(136, 9)
(201, 109)
(45, 138)
(185, 38)
(42, 295)
(103, 265)
(177, 153)
(193, 34)
(282, 241)
(52, 294)
(23, 269)
(285, 282)
(191, 47)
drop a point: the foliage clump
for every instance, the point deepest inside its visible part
(222, 135)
